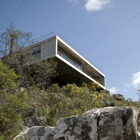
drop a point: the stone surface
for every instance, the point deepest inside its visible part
(138, 121)
(109, 104)
(83, 127)
(105, 91)
(36, 133)
(118, 123)
(34, 121)
(118, 97)
(108, 123)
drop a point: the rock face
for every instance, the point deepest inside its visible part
(83, 127)
(109, 123)
(105, 91)
(33, 121)
(118, 97)
(36, 133)
(118, 124)
(109, 104)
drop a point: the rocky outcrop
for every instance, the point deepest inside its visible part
(34, 121)
(36, 133)
(118, 97)
(118, 124)
(105, 91)
(109, 123)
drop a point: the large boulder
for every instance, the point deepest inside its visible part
(118, 97)
(83, 127)
(118, 123)
(109, 123)
(34, 121)
(36, 133)
(105, 91)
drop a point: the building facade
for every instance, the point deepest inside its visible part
(71, 65)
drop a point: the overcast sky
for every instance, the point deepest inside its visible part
(106, 31)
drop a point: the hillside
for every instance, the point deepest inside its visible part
(22, 102)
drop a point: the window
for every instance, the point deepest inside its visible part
(69, 57)
(71, 60)
(78, 64)
(36, 51)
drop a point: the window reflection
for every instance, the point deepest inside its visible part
(68, 57)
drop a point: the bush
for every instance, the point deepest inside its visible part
(12, 102)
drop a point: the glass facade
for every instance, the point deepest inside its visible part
(76, 63)
(69, 57)
(36, 51)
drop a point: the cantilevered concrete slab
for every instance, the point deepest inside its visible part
(72, 66)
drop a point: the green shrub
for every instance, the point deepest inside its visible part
(12, 102)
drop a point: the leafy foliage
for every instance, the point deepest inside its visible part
(12, 40)
(20, 69)
(12, 102)
(7, 77)
(17, 56)
(51, 104)
(41, 72)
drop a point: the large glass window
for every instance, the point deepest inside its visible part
(69, 57)
(64, 55)
(71, 60)
(36, 51)
(78, 64)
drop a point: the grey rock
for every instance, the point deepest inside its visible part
(34, 121)
(105, 91)
(118, 97)
(22, 89)
(83, 127)
(36, 133)
(118, 123)
(109, 123)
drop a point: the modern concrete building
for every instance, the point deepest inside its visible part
(71, 65)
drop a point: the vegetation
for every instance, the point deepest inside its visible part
(51, 104)
(12, 102)
(26, 90)
(12, 40)
(16, 54)
(19, 70)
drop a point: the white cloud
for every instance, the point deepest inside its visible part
(127, 85)
(136, 79)
(113, 90)
(95, 5)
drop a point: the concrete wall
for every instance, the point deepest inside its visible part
(48, 48)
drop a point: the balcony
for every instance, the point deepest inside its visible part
(61, 52)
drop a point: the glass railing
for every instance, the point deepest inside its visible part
(78, 66)
(52, 34)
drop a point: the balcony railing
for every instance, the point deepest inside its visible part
(79, 67)
(49, 35)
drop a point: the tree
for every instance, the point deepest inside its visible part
(19, 57)
(13, 50)
(12, 102)
(12, 40)
(7, 77)
(42, 72)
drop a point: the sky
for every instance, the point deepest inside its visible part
(107, 32)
